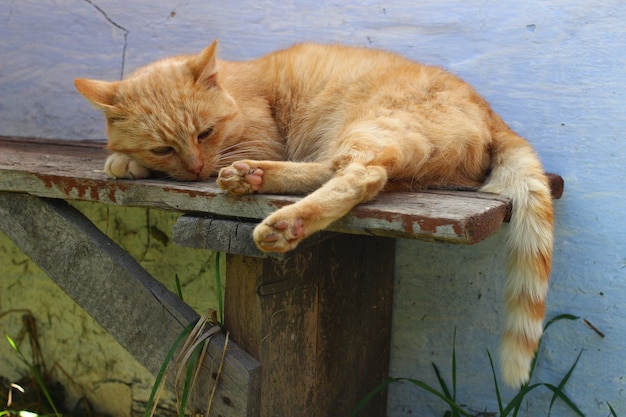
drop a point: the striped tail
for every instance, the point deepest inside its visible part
(517, 173)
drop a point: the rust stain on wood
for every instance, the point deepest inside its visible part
(73, 170)
(83, 187)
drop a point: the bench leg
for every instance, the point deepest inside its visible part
(138, 311)
(319, 322)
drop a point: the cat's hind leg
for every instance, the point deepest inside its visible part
(351, 185)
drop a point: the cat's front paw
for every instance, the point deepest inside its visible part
(119, 166)
(279, 235)
(240, 178)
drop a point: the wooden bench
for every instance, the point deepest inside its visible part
(311, 328)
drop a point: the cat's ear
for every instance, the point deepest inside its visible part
(204, 66)
(99, 93)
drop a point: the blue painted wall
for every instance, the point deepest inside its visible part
(554, 69)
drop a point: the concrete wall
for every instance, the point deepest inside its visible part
(553, 69)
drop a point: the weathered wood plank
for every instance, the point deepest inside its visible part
(228, 236)
(74, 171)
(219, 235)
(67, 172)
(319, 322)
(142, 315)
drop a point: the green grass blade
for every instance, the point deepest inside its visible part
(495, 383)
(454, 413)
(371, 395)
(454, 366)
(533, 363)
(549, 323)
(218, 287)
(442, 383)
(613, 413)
(188, 378)
(179, 289)
(36, 375)
(453, 405)
(558, 390)
(516, 402)
(558, 393)
(166, 362)
(559, 318)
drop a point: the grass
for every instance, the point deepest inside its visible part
(191, 345)
(186, 356)
(35, 394)
(35, 374)
(448, 394)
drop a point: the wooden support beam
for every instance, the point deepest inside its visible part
(138, 311)
(218, 235)
(317, 318)
(228, 236)
(319, 321)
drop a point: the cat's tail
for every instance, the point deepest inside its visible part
(517, 173)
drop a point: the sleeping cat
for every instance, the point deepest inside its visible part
(339, 124)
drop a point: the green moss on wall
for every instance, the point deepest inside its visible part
(146, 235)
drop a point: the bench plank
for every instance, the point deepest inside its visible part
(74, 170)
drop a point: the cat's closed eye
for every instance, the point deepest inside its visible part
(163, 151)
(205, 134)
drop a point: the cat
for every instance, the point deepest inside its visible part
(339, 124)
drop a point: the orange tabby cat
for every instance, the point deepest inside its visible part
(340, 124)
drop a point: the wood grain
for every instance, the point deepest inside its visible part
(73, 170)
(319, 322)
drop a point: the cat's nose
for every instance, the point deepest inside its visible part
(196, 169)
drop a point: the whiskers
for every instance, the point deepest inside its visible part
(167, 177)
(253, 149)
(160, 175)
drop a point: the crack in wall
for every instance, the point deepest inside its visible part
(117, 25)
(8, 21)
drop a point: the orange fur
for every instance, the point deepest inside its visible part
(338, 124)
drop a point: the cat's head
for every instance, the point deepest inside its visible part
(172, 116)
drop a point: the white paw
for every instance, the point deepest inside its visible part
(119, 165)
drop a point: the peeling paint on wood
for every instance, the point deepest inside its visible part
(458, 217)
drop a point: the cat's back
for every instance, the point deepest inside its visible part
(318, 88)
(321, 64)
(308, 72)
